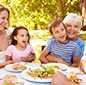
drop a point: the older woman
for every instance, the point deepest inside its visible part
(73, 23)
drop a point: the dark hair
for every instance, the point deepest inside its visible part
(55, 23)
(15, 32)
(2, 8)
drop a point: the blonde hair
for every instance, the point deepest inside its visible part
(73, 17)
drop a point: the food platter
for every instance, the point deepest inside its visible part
(27, 77)
(44, 73)
(16, 67)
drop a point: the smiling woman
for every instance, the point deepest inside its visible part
(73, 24)
(4, 20)
(4, 32)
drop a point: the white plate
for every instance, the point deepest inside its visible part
(74, 70)
(27, 77)
(61, 66)
(18, 81)
(82, 77)
(32, 65)
(10, 68)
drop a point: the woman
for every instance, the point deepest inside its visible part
(73, 24)
(4, 32)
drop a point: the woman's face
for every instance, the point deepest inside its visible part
(72, 30)
(22, 38)
(3, 18)
(60, 33)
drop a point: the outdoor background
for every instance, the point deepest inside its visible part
(36, 14)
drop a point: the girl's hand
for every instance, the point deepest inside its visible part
(23, 58)
(28, 58)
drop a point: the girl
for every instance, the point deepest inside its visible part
(20, 48)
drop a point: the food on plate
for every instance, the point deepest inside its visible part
(18, 66)
(42, 72)
(73, 77)
(58, 66)
(11, 80)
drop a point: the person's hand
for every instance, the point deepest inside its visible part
(60, 60)
(43, 60)
(24, 58)
(9, 62)
(29, 58)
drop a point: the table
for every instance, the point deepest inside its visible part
(4, 72)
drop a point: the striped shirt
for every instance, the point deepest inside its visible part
(64, 50)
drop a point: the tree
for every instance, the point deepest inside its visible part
(39, 12)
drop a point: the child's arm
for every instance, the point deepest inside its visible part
(43, 56)
(29, 58)
(76, 61)
(56, 59)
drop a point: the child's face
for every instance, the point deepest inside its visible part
(3, 18)
(72, 30)
(60, 33)
(22, 38)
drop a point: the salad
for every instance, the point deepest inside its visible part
(42, 72)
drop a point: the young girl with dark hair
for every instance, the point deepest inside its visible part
(20, 48)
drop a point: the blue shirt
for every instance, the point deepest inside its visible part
(64, 50)
(81, 45)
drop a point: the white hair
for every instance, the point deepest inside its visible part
(73, 17)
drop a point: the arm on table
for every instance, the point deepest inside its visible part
(76, 61)
(57, 59)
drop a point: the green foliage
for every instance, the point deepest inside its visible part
(31, 13)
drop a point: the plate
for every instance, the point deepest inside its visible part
(27, 77)
(10, 78)
(60, 66)
(82, 77)
(74, 70)
(32, 65)
(11, 69)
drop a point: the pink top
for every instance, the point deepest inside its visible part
(17, 54)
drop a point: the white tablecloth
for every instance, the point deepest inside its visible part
(4, 72)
